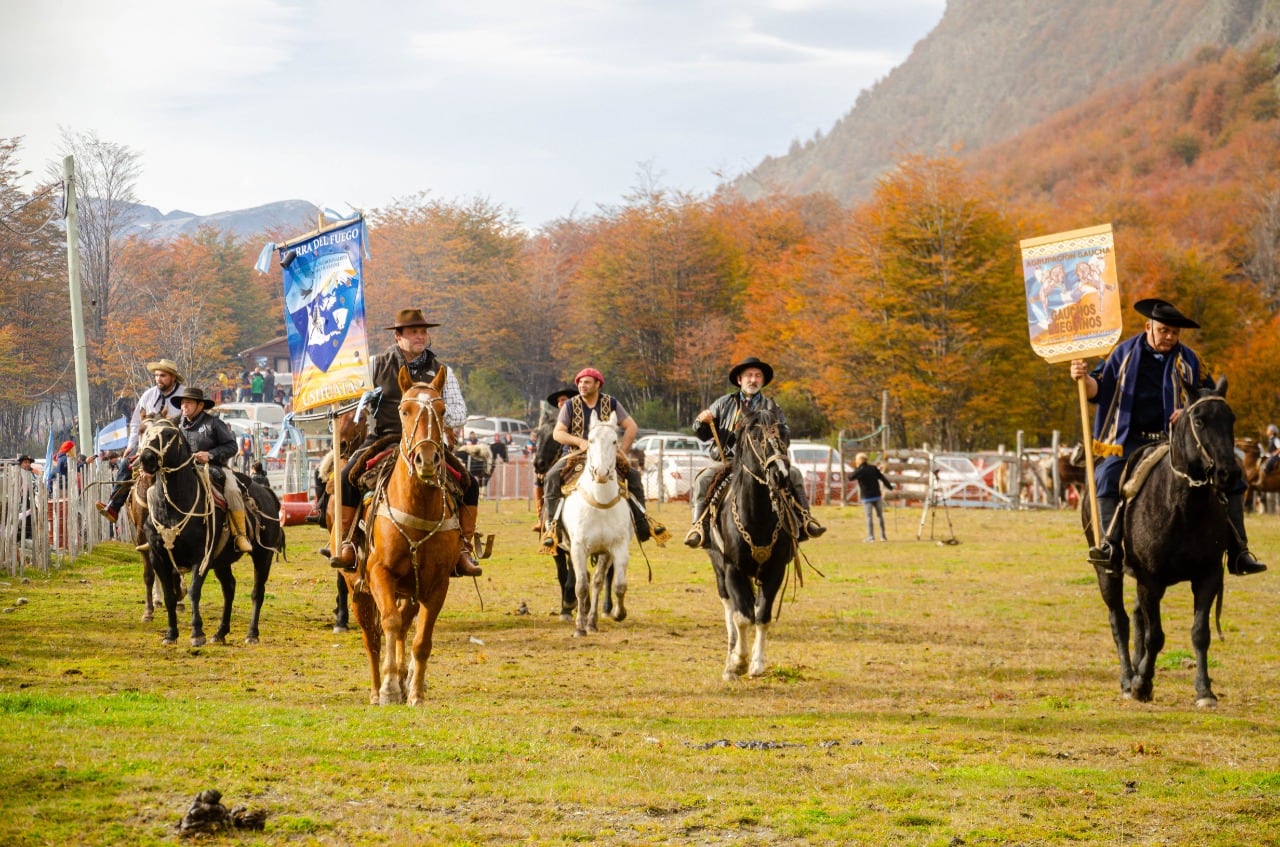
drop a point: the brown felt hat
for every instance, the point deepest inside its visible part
(1164, 312)
(410, 317)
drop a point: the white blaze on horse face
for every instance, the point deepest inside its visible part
(602, 451)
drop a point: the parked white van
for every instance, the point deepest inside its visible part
(268, 414)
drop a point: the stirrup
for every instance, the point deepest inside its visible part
(693, 538)
(1103, 555)
(1245, 564)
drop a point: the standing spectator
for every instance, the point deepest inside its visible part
(259, 475)
(242, 390)
(62, 464)
(498, 448)
(257, 382)
(26, 504)
(869, 477)
(269, 385)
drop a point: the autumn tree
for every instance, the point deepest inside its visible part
(35, 323)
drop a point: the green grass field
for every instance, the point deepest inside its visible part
(917, 694)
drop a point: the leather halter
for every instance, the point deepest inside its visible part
(766, 453)
(611, 475)
(435, 430)
(1208, 459)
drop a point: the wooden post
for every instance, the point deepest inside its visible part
(884, 421)
(1095, 520)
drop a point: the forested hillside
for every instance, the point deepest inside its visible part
(992, 68)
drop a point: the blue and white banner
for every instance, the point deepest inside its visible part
(324, 315)
(113, 436)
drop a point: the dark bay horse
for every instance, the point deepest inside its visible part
(414, 542)
(351, 434)
(753, 539)
(188, 531)
(1175, 530)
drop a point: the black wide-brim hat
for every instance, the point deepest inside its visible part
(751, 362)
(25, 458)
(410, 317)
(554, 397)
(1164, 312)
(189, 392)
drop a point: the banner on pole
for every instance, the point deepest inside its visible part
(113, 436)
(1073, 297)
(324, 315)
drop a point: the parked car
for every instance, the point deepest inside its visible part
(667, 442)
(483, 427)
(815, 461)
(271, 414)
(676, 473)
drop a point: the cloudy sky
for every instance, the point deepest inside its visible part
(548, 107)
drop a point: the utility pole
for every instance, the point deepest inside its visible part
(77, 310)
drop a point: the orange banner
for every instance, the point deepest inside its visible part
(1073, 297)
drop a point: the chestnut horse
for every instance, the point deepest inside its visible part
(1249, 454)
(414, 542)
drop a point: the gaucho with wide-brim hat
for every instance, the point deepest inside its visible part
(554, 397)
(1164, 312)
(406, 318)
(190, 392)
(751, 362)
(167, 365)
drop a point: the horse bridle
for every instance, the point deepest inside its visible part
(435, 429)
(169, 534)
(1209, 461)
(612, 473)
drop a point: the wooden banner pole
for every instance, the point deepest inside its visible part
(1095, 519)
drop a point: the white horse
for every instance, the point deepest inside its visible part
(597, 521)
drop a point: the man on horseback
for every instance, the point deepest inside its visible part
(1139, 394)
(572, 425)
(154, 401)
(212, 447)
(412, 351)
(1271, 449)
(722, 422)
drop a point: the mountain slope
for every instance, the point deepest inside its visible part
(294, 216)
(994, 67)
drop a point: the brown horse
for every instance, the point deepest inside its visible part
(351, 434)
(414, 542)
(1249, 455)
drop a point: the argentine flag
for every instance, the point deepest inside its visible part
(113, 436)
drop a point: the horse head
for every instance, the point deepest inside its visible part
(350, 433)
(1202, 440)
(422, 426)
(761, 450)
(602, 454)
(162, 446)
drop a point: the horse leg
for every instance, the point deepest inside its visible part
(261, 571)
(1205, 591)
(341, 615)
(404, 647)
(616, 575)
(606, 603)
(371, 634)
(422, 641)
(197, 622)
(764, 615)
(226, 579)
(1111, 584)
(568, 591)
(392, 640)
(149, 580)
(600, 563)
(741, 596)
(582, 587)
(1148, 640)
(169, 580)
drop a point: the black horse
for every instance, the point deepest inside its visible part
(753, 538)
(1175, 529)
(187, 531)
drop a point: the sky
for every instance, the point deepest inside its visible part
(549, 108)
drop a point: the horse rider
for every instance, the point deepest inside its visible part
(1271, 449)
(411, 350)
(154, 401)
(577, 416)
(722, 422)
(212, 447)
(1139, 392)
(548, 449)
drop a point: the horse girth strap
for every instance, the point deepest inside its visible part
(402, 518)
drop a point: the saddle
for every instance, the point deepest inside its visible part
(574, 464)
(1139, 467)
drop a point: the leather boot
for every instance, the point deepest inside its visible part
(537, 507)
(466, 565)
(1240, 561)
(243, 544)
(346, 556)
(1106, 553)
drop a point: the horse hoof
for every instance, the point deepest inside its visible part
(620, 616)
(169, 641)
(220, 639)
(729, 675)
(252, 639)
(338, 629)
(579, 633)
(566, 617)
(1209, 702)
(198, 642)
(147, 617)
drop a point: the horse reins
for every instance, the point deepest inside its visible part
(169, 534)
(759, 552)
